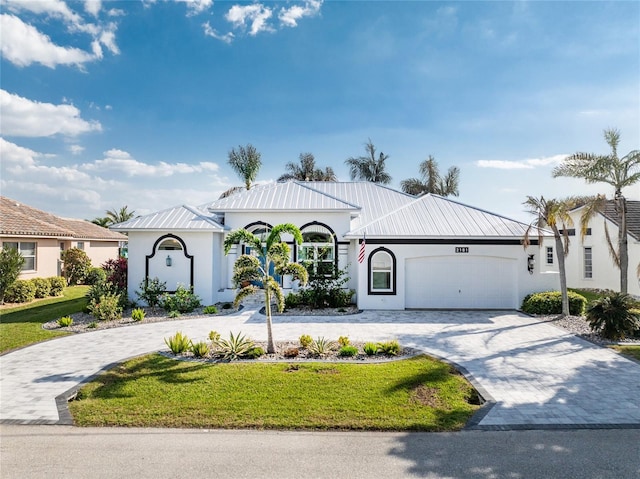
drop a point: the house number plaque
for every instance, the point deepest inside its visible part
(462, 249)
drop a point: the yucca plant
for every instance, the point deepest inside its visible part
(347, 351)
(138, 314)
(234, 348)
(613, 316)
(370, 349)
(390, 348)
(211, 309)
(65, 321)
(178, 343)
(321, 347)
(199, 349)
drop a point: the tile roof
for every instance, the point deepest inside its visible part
(18, 219)
(178, 218)
(633, 216)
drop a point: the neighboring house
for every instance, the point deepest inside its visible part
(41, 236)
(589, 264)
(426, 252)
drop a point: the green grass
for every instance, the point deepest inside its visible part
(22, 325)
(589, 295)
(418, 394)
(633, 351)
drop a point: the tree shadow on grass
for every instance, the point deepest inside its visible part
(44, 312)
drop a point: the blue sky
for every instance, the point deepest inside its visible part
(111, 103)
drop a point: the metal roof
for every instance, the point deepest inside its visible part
(178, 218)
(435, 216)
(283, 196)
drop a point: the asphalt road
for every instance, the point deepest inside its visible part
(67, 452)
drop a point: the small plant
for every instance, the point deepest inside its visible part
(151, 290)
(138, 314)
(199, 349)
(291, 353)
(214, 336)
(613, 315)
(65, 321)
(254, 353)
(305, 341)
(343, 341)
(183, 300)
(212, 309)
(390, 348)
(235, 347)
(57, 285)
(321, 347)
(347, 351)
(370, 349)
(178, 343)
(42, 286)
(107, 308)
(174, 314)
(92, 325)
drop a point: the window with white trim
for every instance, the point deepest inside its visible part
(28, 251)
(80, 245)
(549, 254)
(317, 251)
(588, 263)
(381, 272)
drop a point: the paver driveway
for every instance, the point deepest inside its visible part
(537, 374)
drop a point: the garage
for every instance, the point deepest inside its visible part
(460, 282)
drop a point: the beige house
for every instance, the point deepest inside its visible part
(41, 236)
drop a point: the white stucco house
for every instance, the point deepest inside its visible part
(425, 252)
(589, 264)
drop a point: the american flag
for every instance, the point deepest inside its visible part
(363, 246)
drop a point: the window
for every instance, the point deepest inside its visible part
(317, 251)
(80, 245)
(170, 244)
(588, 265)
(27, 250)
(549, 254)
(382, 277)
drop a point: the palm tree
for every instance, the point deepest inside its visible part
(431, 181)
(368, 168)
(307, 170)
(119, 216)
(274, 252)
(617, 172)
(104, 221)
(555, 215)
(246, 163)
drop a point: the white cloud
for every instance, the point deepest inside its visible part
(51, 8)
(211, 32)
(93, 7)
(527, 164)
(14, 154)
(195, 7)
(22, 45)
(24, 117)
(76, 149)
(256, 14)
(290, 16)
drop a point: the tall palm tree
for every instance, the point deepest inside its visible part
(246, 163)
(101, 221)
(431, 181)
(307, 171)
(554, 214)
(119, 216)
(617, 172)
(369, 168)
(273, 251)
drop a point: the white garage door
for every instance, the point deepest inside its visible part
(460, 282)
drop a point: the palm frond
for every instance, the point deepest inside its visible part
(612, 250)
(296, 270)
(274, 288)
(279, 253)
(413, 186)
(242, 236)
(277, 231)
(244, 293)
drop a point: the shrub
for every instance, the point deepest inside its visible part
(65, 321)
(199, 349)
(292, 300)
(104, 288)
(343, 341)
(183, 300)
(174, 314)
(255, 352)
(76, 266)
(550, 302)
(151, 290)
(106, 308)
(235, 347)
(92, 325)
(613, 316)
(305, 341)
(326, 289)
(42, 286)
(347, 351)
(11, 262)
(21, 291)
(138, 314)
(95, 275)
(116, 271)
(291, 353)
(390, 348)
(214, 336)
(57, 285)
(210, 310)
(321, 347)
(178, 343)
(370, 349)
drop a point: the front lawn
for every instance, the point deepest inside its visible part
(418, 394)
(633, 351)
(22, 325)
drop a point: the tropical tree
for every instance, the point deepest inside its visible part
(246, 163)
(101, 221)
(554, 214)
(431, 181)
(119, 216)
(617, 172)
(271, 254)
(307, 171)
(369, 168)
(11, 262)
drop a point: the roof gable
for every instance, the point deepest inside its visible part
(182, 217)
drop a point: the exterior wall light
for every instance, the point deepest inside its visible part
(168, 260)
(531, 262)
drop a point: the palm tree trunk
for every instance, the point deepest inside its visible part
(271, 348)
(623, 252)
(563, 272)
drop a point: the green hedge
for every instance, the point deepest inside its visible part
(21, 291)
(550, 302)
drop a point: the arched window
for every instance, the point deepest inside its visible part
(261, 230)
(170, 244)
(382, 272)
(318, 250)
